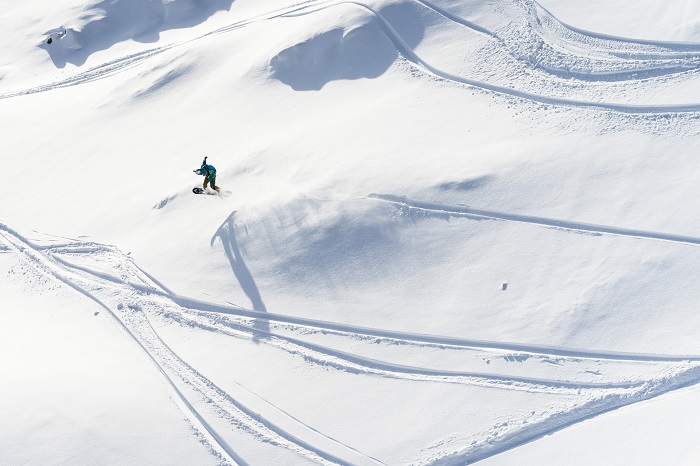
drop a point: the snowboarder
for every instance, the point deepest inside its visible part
(209, 173)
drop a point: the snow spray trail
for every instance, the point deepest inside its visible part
(134, 299)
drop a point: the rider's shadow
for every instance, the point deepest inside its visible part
(227, 235)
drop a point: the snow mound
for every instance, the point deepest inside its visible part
(351, 46)
(108, 22)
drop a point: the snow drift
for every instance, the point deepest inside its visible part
(104, 23)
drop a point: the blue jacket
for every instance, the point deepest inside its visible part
(207, 170)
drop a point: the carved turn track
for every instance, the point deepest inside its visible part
(545, 55)
(135, 300)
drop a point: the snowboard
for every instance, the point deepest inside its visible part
(211, 192)
(202, 191)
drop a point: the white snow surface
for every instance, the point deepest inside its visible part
(448, 232)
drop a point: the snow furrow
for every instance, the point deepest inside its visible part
(417, 61)
(397, 336)
(608, 41)
(533, 220)
(118, 65)
(552, 67)
(134, 321)
(661, 59)
(101, 71)
(358, 363)
(227, 406)
(424, 338)
(639, 73)
(354, 363)
(25, 251)
(496, 444)
(131, 296)
(595, 398)
(567, 53)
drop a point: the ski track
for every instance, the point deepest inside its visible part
(134, 299)
(569, 225)
(181, 377)
(172, 307)
(555, 55)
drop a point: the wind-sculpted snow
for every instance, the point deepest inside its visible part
(524, 59)
(538, 272)
(357, 50)
(529, 55)
(225, 414)
(108, 22)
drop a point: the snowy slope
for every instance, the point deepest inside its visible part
(446, 231)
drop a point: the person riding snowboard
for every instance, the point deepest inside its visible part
(209, 173)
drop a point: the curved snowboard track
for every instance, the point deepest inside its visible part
(204, 402)
(553, 56)
(136, 300)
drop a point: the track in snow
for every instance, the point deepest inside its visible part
(543, 54)
(208, 406)
(546, 61)
(464, 211)
(136, 300)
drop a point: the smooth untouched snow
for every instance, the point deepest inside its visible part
(448, 232)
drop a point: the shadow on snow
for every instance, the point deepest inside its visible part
(348, 53)
(109, 22)
(227, 235)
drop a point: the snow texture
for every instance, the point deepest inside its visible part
(448, 232)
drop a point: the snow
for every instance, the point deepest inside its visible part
(613, 438)
(75, 390)
(448, 232)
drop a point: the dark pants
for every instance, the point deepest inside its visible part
(210, 179)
